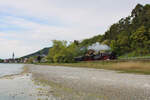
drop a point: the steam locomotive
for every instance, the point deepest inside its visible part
(92, 56)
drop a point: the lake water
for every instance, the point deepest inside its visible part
(20, 87)
(9, 69)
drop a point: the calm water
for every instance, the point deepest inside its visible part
(9, 69)
(20, 87)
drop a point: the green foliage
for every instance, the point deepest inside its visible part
(129, 35)
(90, 41)
(1, 60)
(43, 51)
(30, 60)
(139, 37)
(114, 45)
(63, 53)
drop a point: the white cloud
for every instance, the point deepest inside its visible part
(10, 46)
(78, 19)
(33, 38)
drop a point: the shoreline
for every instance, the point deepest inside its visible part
(89, 83)
(21, 86)
(21, 73)
(74, 83)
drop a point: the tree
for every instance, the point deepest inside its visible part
(30, 60)
(130, 35)
(63, 53)
(139, 37)
(114, 46)
(39, 59)
(57, 51)
(138, 9)
(1, 61)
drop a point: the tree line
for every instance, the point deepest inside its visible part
(130, 36)
(62, 52)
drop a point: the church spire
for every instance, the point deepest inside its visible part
(13, 56)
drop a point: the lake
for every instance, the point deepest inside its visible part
(21, 86)
(9, 69)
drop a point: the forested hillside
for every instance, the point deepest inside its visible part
(129, 36)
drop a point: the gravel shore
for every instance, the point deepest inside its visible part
(94, 84)
(21, 87)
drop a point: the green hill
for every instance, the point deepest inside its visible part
(129, 36)
(43, 51)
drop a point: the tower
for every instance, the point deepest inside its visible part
(13, 56)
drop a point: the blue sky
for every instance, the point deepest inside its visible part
(29, 25)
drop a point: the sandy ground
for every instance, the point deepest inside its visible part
(93, 84)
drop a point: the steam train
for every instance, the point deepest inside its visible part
(92, 56)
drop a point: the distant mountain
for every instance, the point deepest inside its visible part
(43, 51)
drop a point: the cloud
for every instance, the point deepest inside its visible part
(28, 25)
(10, 46)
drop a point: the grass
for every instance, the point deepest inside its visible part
(134, 56)
(135, 66)
(64, 92)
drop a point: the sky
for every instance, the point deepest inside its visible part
(30, 25)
